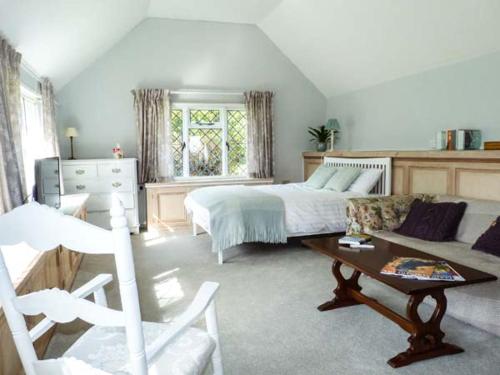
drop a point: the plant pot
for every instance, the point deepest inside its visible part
(321, 147)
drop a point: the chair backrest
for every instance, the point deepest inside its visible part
(44, 228)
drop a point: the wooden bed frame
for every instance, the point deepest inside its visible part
(383, 187)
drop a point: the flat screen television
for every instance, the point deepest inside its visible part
(48, 182)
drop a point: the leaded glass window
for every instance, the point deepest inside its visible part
(209, 140)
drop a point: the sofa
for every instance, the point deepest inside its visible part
(479, 304)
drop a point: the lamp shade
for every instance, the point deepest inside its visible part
(332, 124)
(71, 132)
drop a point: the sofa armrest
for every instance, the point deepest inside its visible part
(371, 214)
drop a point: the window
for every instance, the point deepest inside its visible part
(209, 140)
(33, 140)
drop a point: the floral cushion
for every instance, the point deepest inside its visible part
(367, 215)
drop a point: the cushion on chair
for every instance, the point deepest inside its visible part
(320, 176)
(105, 348)
(432, 221)
(489, 241)
(342, 179)
(65, 366)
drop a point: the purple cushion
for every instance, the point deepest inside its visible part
(489, 241)
(432, 221)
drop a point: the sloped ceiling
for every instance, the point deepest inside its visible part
(242, 11)
(345, 45)
(340, 45)
(60, 38)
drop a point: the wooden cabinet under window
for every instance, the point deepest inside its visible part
(165, 201)
(53, 269)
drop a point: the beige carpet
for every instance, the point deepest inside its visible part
(267, 311)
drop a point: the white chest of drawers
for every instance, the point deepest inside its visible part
(100, 178)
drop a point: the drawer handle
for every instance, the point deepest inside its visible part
(80, 171)
(56, 186)
(116, 184)
(116, 170)
(56, 171)
(80, 187)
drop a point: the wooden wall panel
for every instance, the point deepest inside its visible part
(428, 180)
(481, 184)
(470, 174)
(398, 180)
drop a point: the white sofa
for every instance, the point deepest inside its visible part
(479, 304)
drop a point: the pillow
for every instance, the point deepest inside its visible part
(489, 241)
(432, 221)
(320, 176)
(366, 181)
(342, 179)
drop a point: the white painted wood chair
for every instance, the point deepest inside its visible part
(119, 342)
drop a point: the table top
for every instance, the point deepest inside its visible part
(371, 261)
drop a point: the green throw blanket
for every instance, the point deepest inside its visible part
(241, 214)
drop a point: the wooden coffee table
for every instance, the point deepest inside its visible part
(426, 340)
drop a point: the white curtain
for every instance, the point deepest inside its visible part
(259, 106)
(12, 179)
(154, 146)
(49, 118)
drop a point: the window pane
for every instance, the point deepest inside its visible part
(237, 142)
(176, 136)
(205, 152)
(204, 116)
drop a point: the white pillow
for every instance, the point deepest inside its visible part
(366, 181)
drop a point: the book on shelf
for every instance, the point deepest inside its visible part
(421, 269)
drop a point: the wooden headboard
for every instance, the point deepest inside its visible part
(470, 174)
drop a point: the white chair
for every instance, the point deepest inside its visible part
(118, 342)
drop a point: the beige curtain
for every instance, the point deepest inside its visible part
(49, 118)
(260, 133)
(152, 107)
(12, 179)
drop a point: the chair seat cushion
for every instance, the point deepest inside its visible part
(105, 348)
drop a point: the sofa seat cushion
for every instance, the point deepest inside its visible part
(105, 348)
(477, 304)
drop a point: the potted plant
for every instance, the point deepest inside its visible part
(320, 136)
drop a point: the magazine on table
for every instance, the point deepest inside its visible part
(421, 269)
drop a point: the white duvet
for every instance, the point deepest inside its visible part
(307, 210)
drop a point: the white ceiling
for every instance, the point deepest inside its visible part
(60, 38)
(243, 11)
(340, 45)
(345, 45)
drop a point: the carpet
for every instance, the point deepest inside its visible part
(267, 313)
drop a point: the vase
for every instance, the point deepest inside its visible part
(321, 146)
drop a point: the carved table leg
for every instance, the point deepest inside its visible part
(342, 297)
(426, 340)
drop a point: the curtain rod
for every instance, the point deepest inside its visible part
(189, 92)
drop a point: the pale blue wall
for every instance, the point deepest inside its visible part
(187, 54)
(404, 114)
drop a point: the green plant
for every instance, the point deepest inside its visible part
(320, 134)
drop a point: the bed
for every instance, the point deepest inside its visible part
(307, 211)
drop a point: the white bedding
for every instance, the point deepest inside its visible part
(307, 210)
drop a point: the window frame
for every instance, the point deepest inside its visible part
(35, 99)
(186, 107)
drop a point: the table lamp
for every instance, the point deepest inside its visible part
(71, 133)
(334, 126)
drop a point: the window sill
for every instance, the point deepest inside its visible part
(209, 181)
